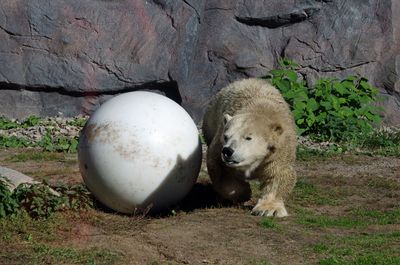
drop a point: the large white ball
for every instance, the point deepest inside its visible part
(139, 150)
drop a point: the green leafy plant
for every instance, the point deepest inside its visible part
(13, 141)
(8, 204)
(76, 197)
(6, 124)
(332, 109)
(78, 122)
(39, 201)
(65, 144)
(31, 121)
(60, 144)
(47, 141)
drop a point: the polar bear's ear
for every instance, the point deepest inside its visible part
(276, 127)
(227, 118)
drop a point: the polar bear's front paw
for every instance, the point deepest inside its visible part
(269, 208)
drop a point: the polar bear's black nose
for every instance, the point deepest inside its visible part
(227, 151)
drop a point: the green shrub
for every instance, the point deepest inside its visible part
(332, 109)
(39, 201)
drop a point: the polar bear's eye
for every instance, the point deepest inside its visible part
(225, 137)
(248, 138)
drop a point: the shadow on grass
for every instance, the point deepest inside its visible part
(201, 196)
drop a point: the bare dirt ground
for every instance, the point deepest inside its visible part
(345, 209)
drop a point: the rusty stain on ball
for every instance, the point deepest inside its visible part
(139, 150)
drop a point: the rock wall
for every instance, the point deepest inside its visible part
(68, 56)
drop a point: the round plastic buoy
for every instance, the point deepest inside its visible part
(139, 151)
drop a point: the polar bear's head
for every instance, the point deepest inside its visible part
(248, 140)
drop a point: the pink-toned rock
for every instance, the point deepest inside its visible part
(69, 56)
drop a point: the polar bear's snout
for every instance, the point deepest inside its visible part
(227, 152)
(229, 156)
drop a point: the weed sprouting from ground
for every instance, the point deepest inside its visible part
(269, 223)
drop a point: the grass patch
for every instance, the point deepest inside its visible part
(269, 223)
(355, 219)
(363, 249)
(381, 142)
(43, 253)
(46, 174)
(24, 240)
(329, 221)
(320, 248)
(367, 259)
(40, 253)
(36, 156)
(258, 262)
(382, 183)
(307, 154)
(20, 227)
(378, 217)
(306, 193)
(162, 263)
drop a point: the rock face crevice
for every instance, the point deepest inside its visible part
(69, 56)
(169, 89)
(280, 20)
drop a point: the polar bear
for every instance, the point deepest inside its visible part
(250, 133)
